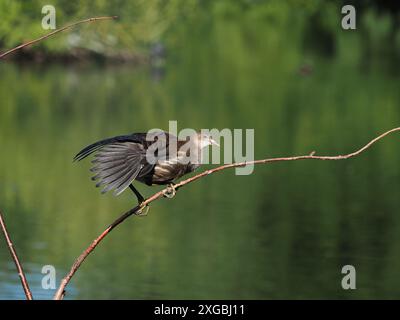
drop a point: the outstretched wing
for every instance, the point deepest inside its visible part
(117, 165)
(117, 161)
(135, 137)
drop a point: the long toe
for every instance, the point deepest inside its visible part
(170, 192)
(143, 211)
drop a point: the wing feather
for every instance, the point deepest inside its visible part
(118, 161)
(116, 164)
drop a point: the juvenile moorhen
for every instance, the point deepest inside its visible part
(120, 160)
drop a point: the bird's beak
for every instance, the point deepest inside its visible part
(213, 142)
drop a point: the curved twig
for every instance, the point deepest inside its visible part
(61, 290)
(14, 255)
(21, 273)
(2, 55)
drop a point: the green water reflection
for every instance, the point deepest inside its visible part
(283, 232)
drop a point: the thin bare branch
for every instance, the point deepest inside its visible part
(61, 290)
(2, 55)
(21, 273)
(14, 255)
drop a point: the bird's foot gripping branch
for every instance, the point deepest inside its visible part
(170, 191)
(143, 211)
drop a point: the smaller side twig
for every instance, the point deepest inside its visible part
(2, 55)
(14, 255)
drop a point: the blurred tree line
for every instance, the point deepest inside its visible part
(144, 23)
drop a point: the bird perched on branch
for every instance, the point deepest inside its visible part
(151, 158)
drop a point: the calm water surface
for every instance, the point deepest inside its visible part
(283, 232)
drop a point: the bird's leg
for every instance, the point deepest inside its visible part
(140, 201)
(171, 191)
(139, 197)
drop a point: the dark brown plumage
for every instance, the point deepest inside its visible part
(120, 160)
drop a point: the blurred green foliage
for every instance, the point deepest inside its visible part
(141, 22)
(144, 22)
